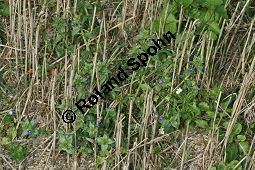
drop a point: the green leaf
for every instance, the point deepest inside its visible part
(104, 152)
(232, 152)
(91, 130)
(156, 97)
(241, 138)
(173, 7)
(244, 147)
(221, 166)
(5, 141)
(195, 13)
(8, 118)
(164, 3)
(203, 106)
(156, 149)
(208, 15)
(17, 152)
(186, 3)
(214, 27)
(70, 150)
(104, 147)
(210, 114)
(79, 121)
(58, 38)
(214, 92)
(11, 133)
(202, 124)
(4, 9)
(174, 121)
(144, 86)
(168, 127)
(60, 50)
(213, 3)
(103, 140)
(66, 142)
(237, 129)
(171, 18)
(171, 24)
(85, 150)
(222, 12)
(99, 160)
(232, 164)
(75, 30)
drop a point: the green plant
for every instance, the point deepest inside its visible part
(17, 152)
(9, 133)
(4, 8)
(208, 14)
(104, 143)
(228, 166)
(66, 142)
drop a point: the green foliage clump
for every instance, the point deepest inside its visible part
(8, 133)
(207, 12)
(4, 8)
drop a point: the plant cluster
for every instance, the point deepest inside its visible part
(178, 98)
(9, 133)
(207, 12)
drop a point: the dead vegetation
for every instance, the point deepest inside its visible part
(229, 62)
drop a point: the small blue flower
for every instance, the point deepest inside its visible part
(97, 125)
(29, 132)
(160, 81)
(72, 24)
(161, 117)
(111, 145)
(86, 80)
(10, 113)
(190, 69)
(78, 143)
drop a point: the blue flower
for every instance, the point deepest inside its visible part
(190, 69)
(161, 117)
(78, 143)
(29, 132)
(160, 81)
(86, 80)
(97, 125)
(111, 145)
(72, 24)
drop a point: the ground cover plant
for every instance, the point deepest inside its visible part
(140, 61)
(191, 107)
